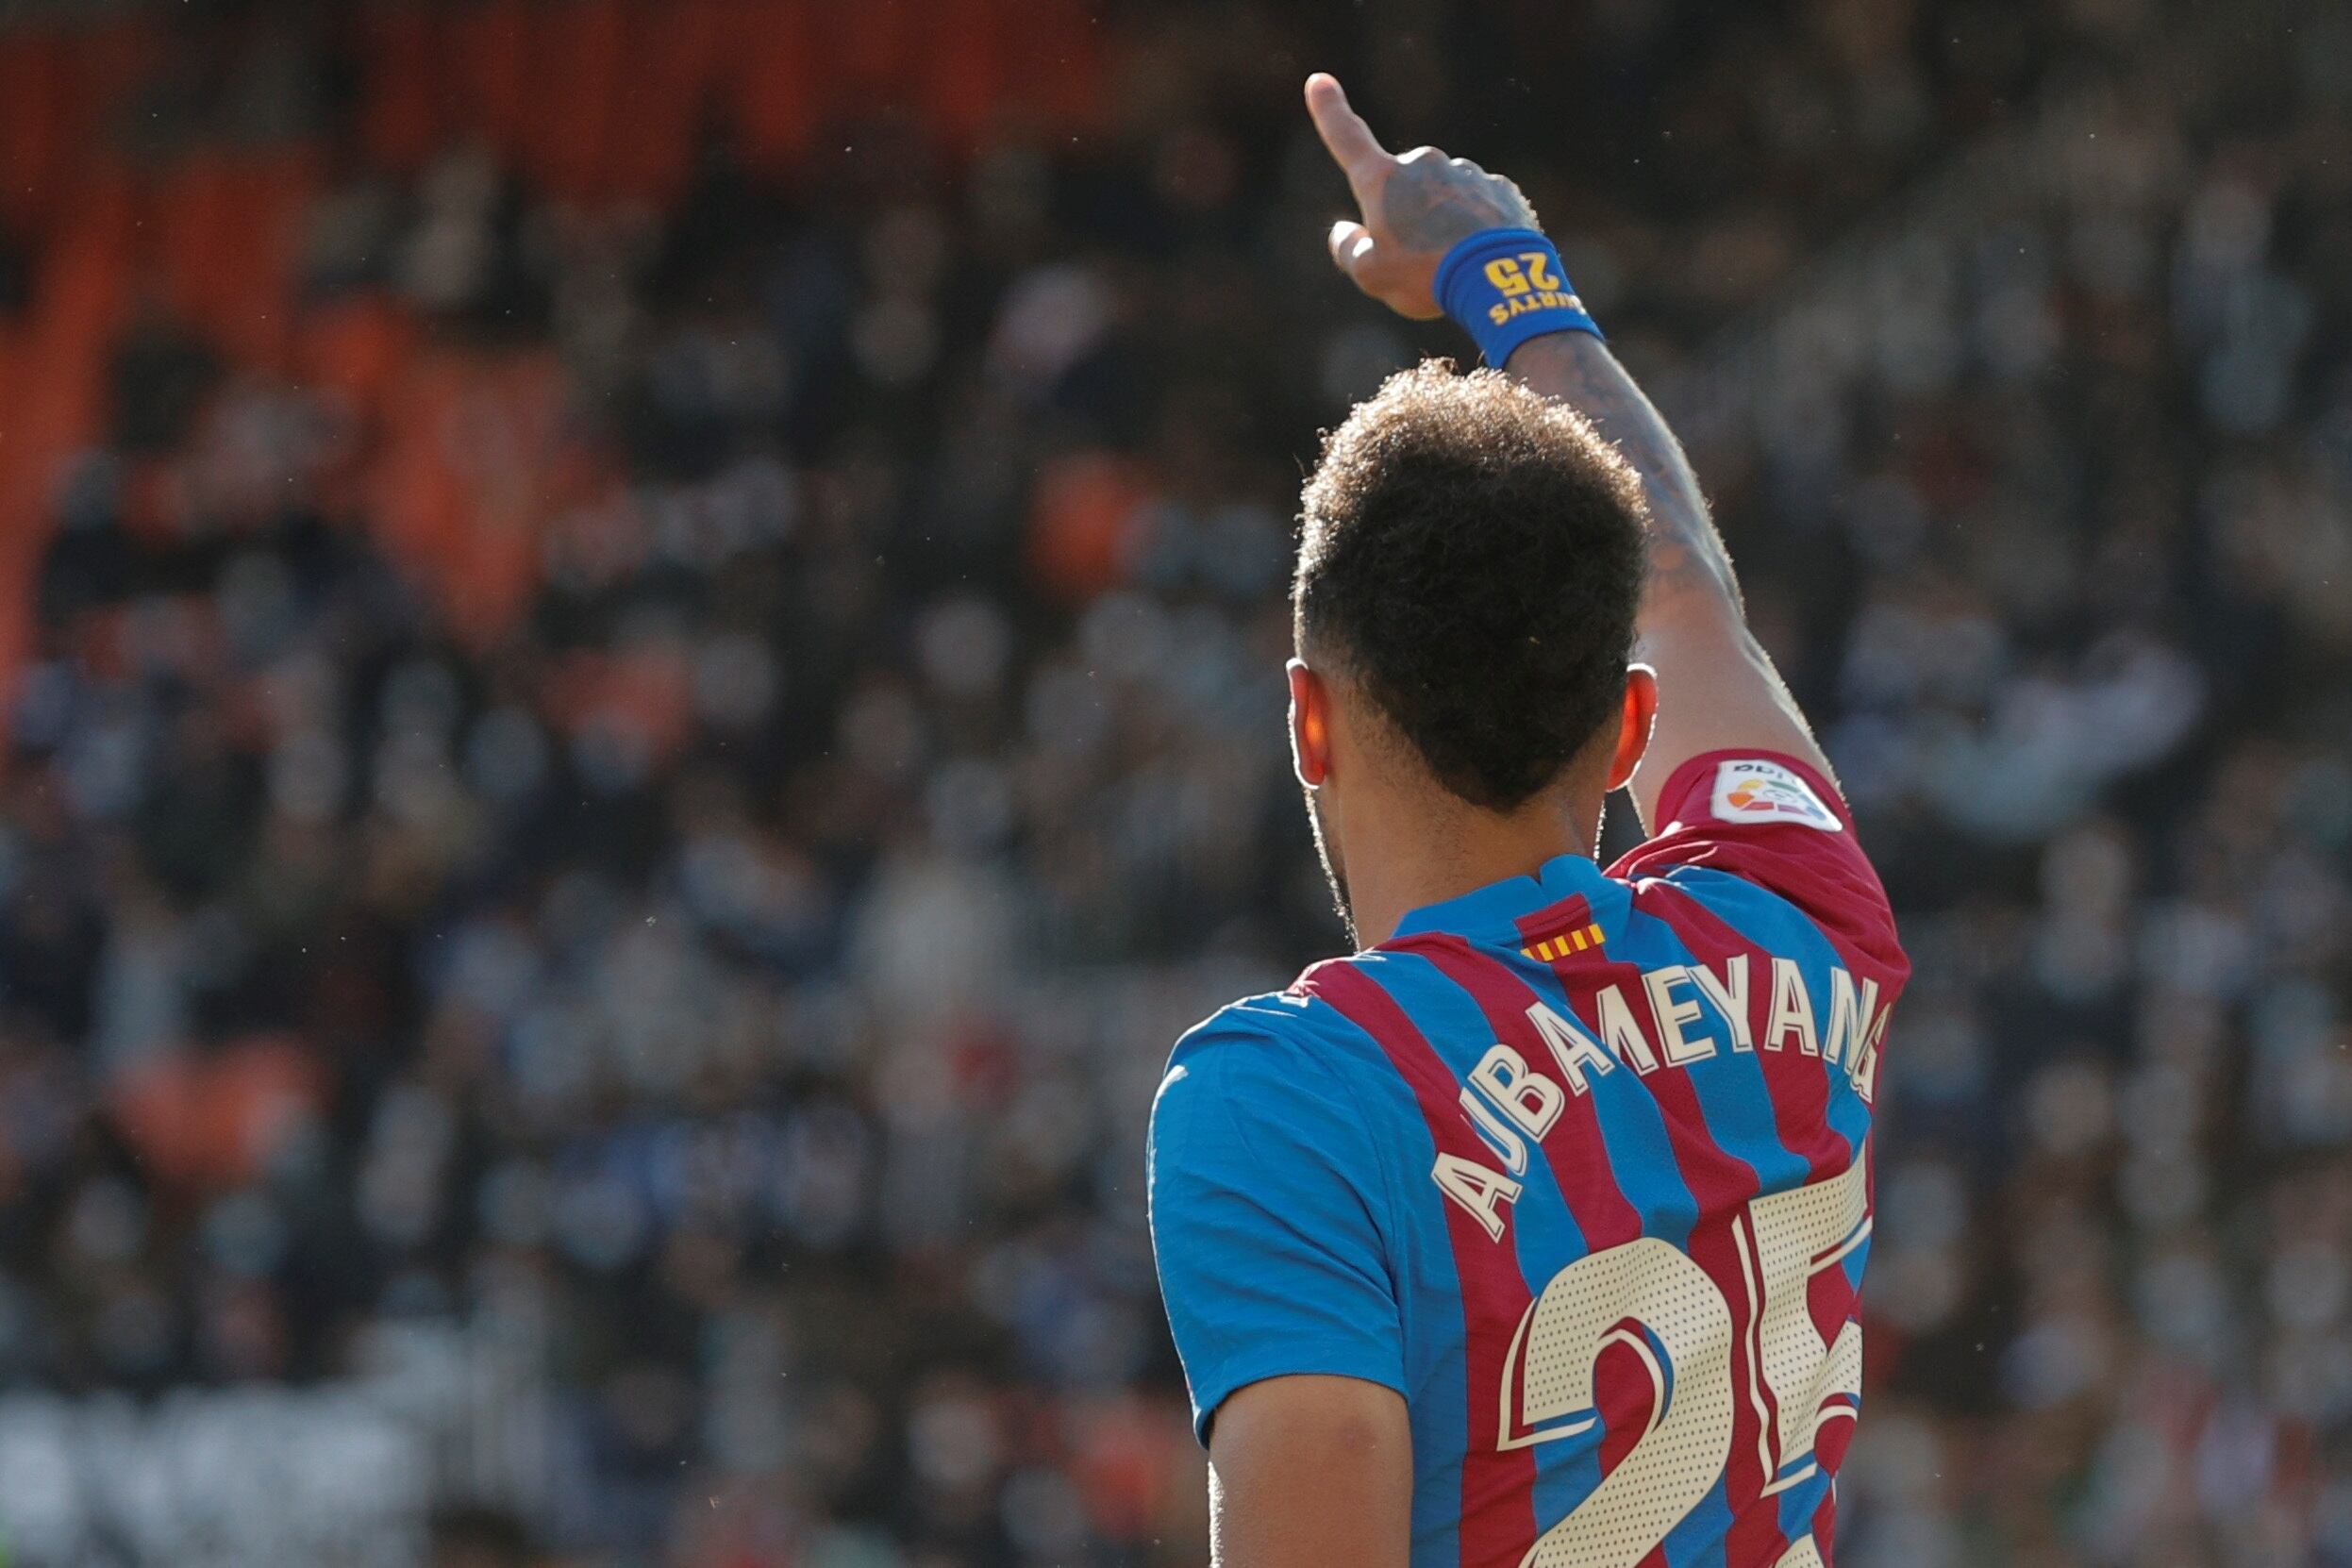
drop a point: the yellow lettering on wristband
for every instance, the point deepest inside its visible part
(1550, 299)
(1505, 274)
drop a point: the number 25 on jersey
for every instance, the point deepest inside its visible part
(1649, 1299)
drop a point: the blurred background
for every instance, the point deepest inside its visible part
(641, 645)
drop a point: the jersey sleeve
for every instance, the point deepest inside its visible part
(1780, 824)
(1267, 1207)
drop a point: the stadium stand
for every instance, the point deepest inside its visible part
(643, 647)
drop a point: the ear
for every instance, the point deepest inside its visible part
(1310, 725)
(1633, 723)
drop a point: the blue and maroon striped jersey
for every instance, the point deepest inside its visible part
(1578, 1165)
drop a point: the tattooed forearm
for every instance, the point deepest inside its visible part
(1685, 552)
(1693, 626)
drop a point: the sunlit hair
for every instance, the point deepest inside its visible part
(1469, 554)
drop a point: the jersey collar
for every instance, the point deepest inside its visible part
(1499, 906)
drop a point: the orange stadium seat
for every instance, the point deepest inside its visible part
(211, 1122)
(485, 65)
(357, 345)
(870, 53)
(964, 71)
(404, 115)
(114, 58)
(37, 115)
(58, 90)
(648, 693)
(770, 85)
(579, 63)
(605, 99)
(664, 97)
(83, 287)
(22, 527)
(1086, 524)
(1064, 39)
(474, 463)
(224, 236)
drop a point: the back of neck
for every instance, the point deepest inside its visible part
(1414, 849)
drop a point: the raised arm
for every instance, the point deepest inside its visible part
(1717, 687)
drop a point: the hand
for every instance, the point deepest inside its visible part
(1414, 209)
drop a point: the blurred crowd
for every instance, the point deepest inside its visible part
(642, 646)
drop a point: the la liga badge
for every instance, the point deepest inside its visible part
(1758, 791)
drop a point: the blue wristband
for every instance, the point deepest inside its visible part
(1503, 286)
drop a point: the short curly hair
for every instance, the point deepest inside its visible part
(1470, 554)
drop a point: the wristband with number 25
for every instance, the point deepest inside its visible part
(1503, 286)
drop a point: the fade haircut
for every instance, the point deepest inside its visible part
(1470, 556)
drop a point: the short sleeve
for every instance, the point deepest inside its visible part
(1774, 821)
(1266, 1204)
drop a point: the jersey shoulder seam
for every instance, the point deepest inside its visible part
(1303, 1040)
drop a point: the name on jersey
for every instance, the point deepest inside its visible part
(1676, 1016)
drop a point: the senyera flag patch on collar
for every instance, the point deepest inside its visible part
(1753, 790)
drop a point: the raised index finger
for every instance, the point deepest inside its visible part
(1352, 145)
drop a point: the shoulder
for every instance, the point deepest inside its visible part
(1282, 1069)
(1282, 1043)
(1750, 796)
(1762, 839)
(1275, 1020)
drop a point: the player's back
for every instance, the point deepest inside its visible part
(1577, 1163)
